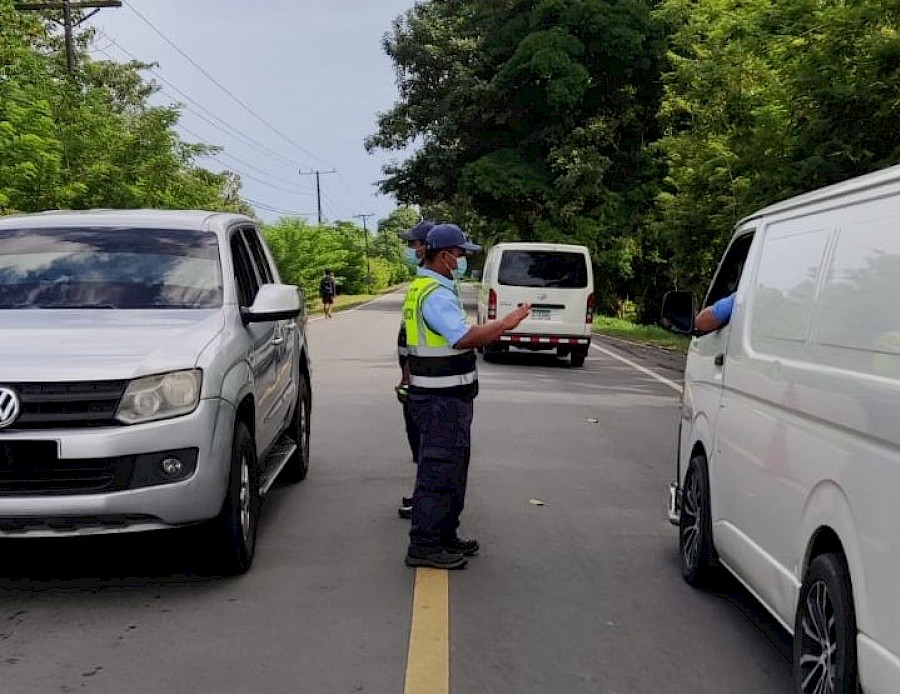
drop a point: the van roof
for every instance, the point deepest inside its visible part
(853, 185)
(533, 246)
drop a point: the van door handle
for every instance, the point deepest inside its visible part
(278, 340)
(719, 360)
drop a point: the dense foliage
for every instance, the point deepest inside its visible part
(642, 129)
(91, 139)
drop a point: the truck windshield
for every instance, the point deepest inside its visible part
(543, 269)
(109, 268)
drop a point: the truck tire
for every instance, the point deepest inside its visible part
(297, 466)
(233, 532)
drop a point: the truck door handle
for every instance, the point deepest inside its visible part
(719, 360)
(278, 340)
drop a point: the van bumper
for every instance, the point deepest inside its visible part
(673, 507)
(544, 341)
(207, 430)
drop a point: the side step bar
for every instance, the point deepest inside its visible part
(276, 460)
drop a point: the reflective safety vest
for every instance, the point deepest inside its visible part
(435, 368)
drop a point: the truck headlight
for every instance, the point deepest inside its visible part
(160, 397)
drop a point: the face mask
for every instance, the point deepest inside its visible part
(412, 258)
(461, 266)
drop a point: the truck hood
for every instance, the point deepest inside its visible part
(98, 345)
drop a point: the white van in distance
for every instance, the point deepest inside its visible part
(789, 453)
(557, 280)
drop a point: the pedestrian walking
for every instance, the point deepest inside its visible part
(415, 251)
(443, 384)
(327, 292)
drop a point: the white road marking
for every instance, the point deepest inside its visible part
(638, 367)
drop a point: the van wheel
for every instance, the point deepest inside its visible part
(233, 531)
(825, 630)
(578, 357)
(563, 352)
(490, 353)
(695, 528)
(297, 467)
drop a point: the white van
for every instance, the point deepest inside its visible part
(789, 452)
(557, 280)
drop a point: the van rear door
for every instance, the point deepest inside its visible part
(555, 282)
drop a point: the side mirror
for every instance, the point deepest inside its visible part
(678, 311)
(274, 302)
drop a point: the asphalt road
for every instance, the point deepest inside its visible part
(579, 595)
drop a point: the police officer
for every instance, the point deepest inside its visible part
(415, 252)
(443, 383)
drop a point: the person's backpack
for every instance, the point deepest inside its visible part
(326, 286)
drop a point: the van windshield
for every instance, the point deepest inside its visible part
(109, 268)
(543, 269)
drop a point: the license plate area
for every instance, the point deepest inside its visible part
(21, 455)
(540, 314)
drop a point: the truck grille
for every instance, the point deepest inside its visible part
(34, 467)
(67, 405)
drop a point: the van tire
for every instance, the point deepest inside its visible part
(827, 589)
(232, 548)
(297, 466)
(695, 542)
(578, 357)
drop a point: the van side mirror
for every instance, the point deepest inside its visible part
(678, 311)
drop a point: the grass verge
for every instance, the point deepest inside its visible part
(643, 334)
(342, 302)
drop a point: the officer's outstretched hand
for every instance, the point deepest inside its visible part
(511, 320)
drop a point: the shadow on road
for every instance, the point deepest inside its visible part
(744, 609)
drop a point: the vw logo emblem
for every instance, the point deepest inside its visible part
(9, 407)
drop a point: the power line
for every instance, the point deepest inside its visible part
(318, 188)
(241, 162)
(224, 127)
(221, 86)
(277, 210)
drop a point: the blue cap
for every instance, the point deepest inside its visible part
(449, 236)
(419, 232)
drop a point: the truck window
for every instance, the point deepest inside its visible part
(245, 275)
(109, 268)
(259, 256)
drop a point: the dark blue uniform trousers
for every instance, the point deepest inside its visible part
(444, 425)
(412, 431)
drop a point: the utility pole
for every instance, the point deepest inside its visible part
(318, 187)
(365, 217)
(67, 23)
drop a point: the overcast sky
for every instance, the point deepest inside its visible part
(315, 71)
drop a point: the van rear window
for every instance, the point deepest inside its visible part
(543, 269)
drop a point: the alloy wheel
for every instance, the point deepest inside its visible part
(691, 521)
(818, 641)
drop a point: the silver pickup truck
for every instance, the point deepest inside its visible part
(154, 373)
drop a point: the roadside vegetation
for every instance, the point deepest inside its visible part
(643, 129)
(644, 334)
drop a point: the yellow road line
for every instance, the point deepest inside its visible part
(428, 662)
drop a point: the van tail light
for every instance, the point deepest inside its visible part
(492, 305)
(589, 313)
